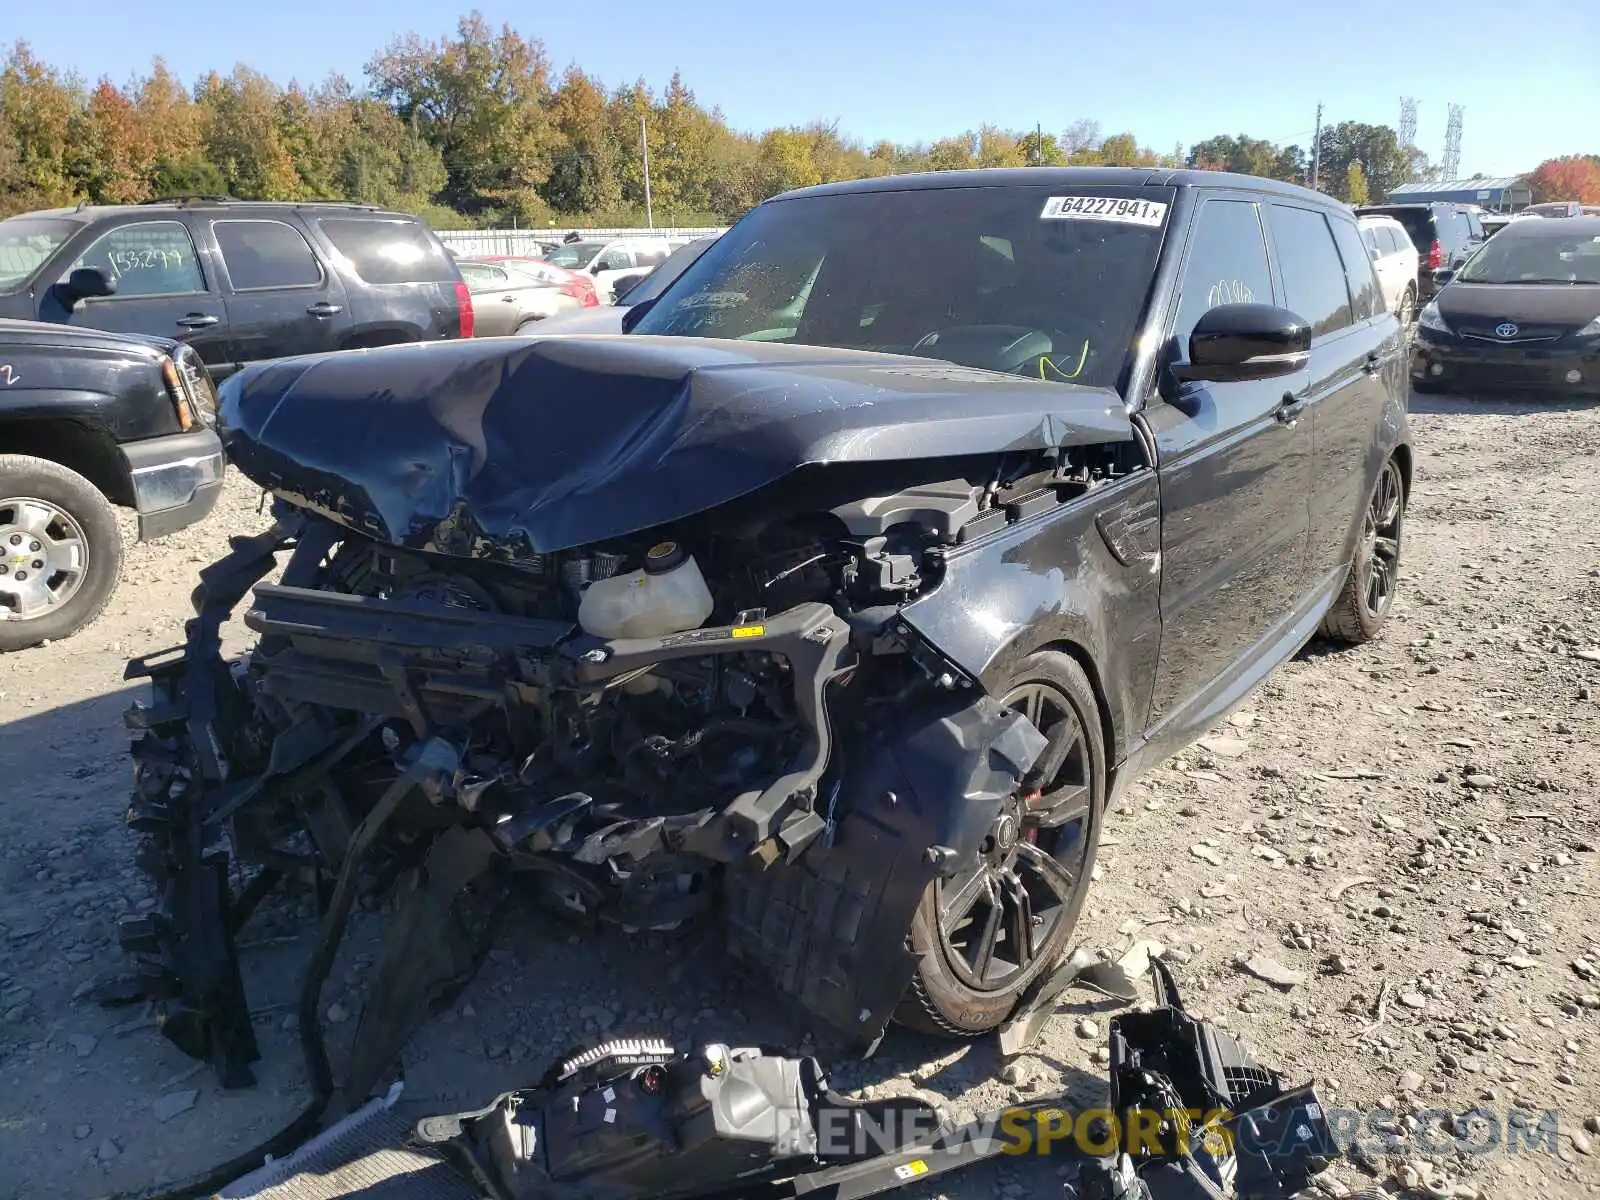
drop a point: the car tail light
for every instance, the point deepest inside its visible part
(582, 290)
(469, 319)
(1435, 255)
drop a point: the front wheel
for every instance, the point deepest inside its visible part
(1408, 310)
(60, 551)
(983, 935)
(1368, 594)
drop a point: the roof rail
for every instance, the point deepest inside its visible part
(186, 199)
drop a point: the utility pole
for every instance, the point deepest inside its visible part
(1038, 144)
(1316, 148)
(644, 141)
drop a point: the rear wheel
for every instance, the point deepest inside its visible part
(1358, 614)
(983, 935)
(60, 551)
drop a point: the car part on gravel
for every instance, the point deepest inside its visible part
(1196, 1118)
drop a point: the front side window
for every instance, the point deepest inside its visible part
(1048, 282)
(615, 259)
(266, 254)
(152, 258)
(1227, 265)
(1313, 274)
(26, 244)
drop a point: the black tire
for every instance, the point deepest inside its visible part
(98, 555)
(1423, 387)
(954, 995)
(1363, 603)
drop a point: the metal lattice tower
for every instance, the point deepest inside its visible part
(1408, 122)
(1451, 163)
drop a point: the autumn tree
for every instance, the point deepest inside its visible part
(1574, 177)
(1355, 185)
(584, 176)
(37, 108)
(242, 134)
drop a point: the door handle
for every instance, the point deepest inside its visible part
(1374, 363)
(1290, 408)
(508, 299)
(323, 309)
(197, 321)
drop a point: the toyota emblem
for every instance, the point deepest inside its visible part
(1505, 330)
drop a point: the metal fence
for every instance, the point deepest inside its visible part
(526, 241)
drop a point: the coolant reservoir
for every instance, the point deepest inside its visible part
(669, 595)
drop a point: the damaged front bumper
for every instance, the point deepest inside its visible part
(823, 866)
(429, 667)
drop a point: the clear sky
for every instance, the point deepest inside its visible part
(1170, 71)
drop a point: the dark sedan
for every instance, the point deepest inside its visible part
(1522, 313)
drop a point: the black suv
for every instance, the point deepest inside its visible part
(849, 584)
(1444, 235)
(238, 280)
(89, 420)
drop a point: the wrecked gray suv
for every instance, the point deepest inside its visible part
(834, 600)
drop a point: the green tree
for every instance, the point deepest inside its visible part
(785, 162)
(1376, 147)
(481, 98)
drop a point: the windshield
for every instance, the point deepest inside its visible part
(25, 244)
(575, 255)
(1510, 258)
(1020, 279)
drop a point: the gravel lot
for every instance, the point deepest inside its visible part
(1414, 821)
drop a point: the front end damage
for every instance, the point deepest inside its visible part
(433, 712)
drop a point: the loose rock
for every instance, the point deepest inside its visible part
(175, 1104)
(1270, 970)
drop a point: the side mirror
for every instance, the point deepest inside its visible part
(1233, 343)
(1444, 275)
(89, 283)
(635, 314)
(623, 286)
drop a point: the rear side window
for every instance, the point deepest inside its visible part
(151, 258)
(1392, 240)
(1358, 272)
(388, 251)
(1227, 265)
(266, 254)
(1313, 274)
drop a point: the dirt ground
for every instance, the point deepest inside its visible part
(1411, 827)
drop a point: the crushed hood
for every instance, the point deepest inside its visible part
(544, 444)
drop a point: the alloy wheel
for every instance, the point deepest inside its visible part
(1380, 560)
(1007, 914)
(43, 557)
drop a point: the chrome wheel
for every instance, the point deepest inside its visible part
(1007, 915)
(1380, 559)
(43, 557)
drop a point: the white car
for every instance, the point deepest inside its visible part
(1395, 260)
(605, 261)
